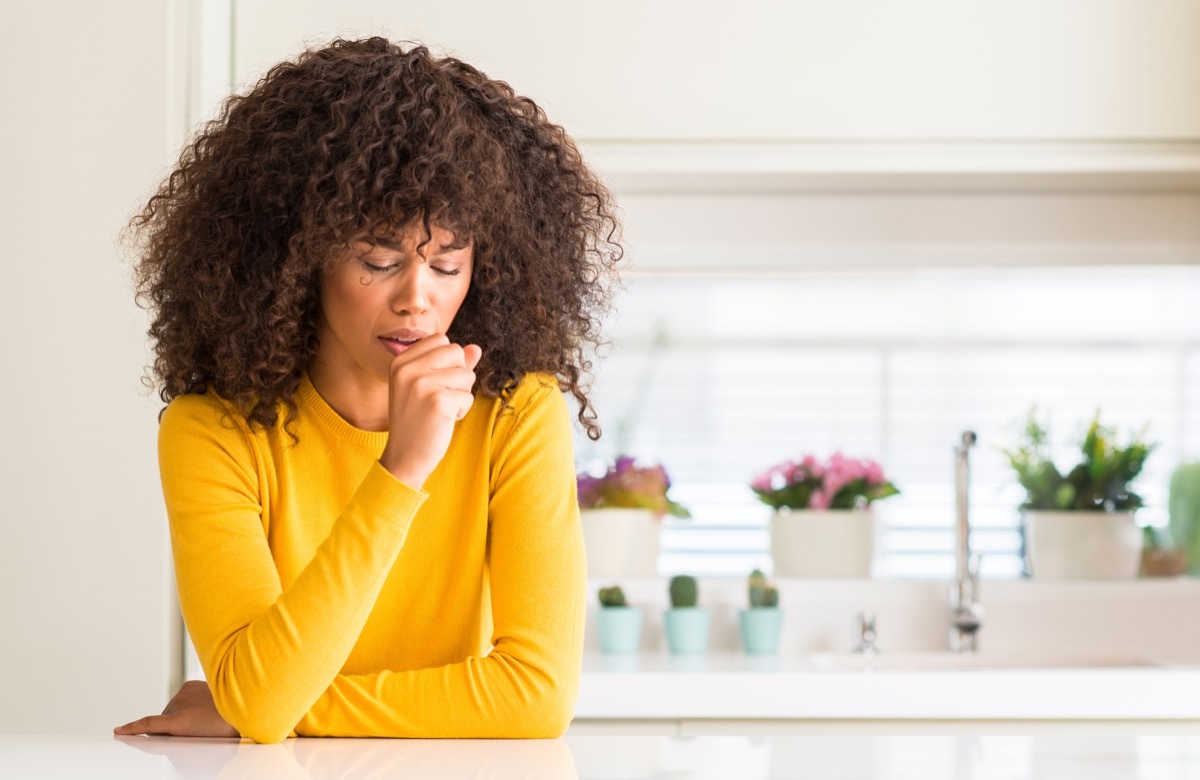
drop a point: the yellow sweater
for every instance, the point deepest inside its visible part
(327, 598)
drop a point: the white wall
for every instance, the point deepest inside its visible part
(85, 626)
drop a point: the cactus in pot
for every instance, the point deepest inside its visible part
(619, 624)
(684, 591)
(612, 597)
(1184, 507)
(762, 593)
(760, 624)
(687, 624)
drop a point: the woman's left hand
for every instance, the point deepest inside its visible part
(190, 713)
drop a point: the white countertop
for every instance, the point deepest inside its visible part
(734, 685)
(745, 758)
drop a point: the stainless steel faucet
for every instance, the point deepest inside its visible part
(966, 614)
(864, 631)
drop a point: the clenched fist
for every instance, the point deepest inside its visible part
(429, 390)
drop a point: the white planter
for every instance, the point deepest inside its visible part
(822, 543)
(1083, 545)
(621, 542)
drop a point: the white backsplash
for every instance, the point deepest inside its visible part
(1147, 618)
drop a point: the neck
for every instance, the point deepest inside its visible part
(358, 399)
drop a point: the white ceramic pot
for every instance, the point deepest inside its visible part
(1083, 545)
(621, 542)
(822, 543)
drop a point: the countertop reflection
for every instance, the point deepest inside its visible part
(605, 758)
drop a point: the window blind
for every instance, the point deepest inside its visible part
(719, 376)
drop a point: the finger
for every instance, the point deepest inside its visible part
(151, 724)
(467, 401)
(421, 347)
(441, 356)
(457, 379)
(472, 352)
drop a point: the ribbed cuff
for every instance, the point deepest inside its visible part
(382, 495)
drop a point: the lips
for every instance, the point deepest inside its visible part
(398, 341)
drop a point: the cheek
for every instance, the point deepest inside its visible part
(347, 300)
(454, 301)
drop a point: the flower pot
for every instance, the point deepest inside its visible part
(760, 629)
(1082, 545)
(822, 543)
(620, 629)
(687, 629)
(621, 542)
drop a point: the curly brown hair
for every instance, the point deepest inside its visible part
(348, 141)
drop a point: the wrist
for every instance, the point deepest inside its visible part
(414, 478)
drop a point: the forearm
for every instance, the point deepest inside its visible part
(267, 669)
(498, 696)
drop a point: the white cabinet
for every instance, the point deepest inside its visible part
(811, 70)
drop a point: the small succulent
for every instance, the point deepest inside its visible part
(684, 591)
(612, 597)
(762, 593)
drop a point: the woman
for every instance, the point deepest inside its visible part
(372, 278)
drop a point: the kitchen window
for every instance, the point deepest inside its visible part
(719, 374)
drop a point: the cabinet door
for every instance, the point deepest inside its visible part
(700, 70)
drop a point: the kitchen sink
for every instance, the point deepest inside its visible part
(935, 661)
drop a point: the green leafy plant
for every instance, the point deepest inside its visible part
(612, 597)
(684, 591)
(762, 593)
(1098, 483)
(627, 485)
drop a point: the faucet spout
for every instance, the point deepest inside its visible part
(966, 614)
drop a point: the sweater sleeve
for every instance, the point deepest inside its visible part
(527, 685)
(268, 653)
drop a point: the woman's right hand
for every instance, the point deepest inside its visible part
(429, 390)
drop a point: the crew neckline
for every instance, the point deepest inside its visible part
(314, 402)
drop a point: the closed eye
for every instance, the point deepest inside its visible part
(383, 269)
(379, 269)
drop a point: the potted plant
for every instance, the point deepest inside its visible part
(619, 624)
(1079, 524)
(822, 525)
(761, 623)
(686, 623)
(621, 512)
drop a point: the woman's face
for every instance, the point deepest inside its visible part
(376, 301)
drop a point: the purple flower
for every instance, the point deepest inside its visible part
(628, 485)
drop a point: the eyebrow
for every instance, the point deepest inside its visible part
(387, 243)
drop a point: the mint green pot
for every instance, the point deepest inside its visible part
(620, 629)
(760, 630)
(687, 629)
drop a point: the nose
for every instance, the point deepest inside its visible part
(409, 294)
